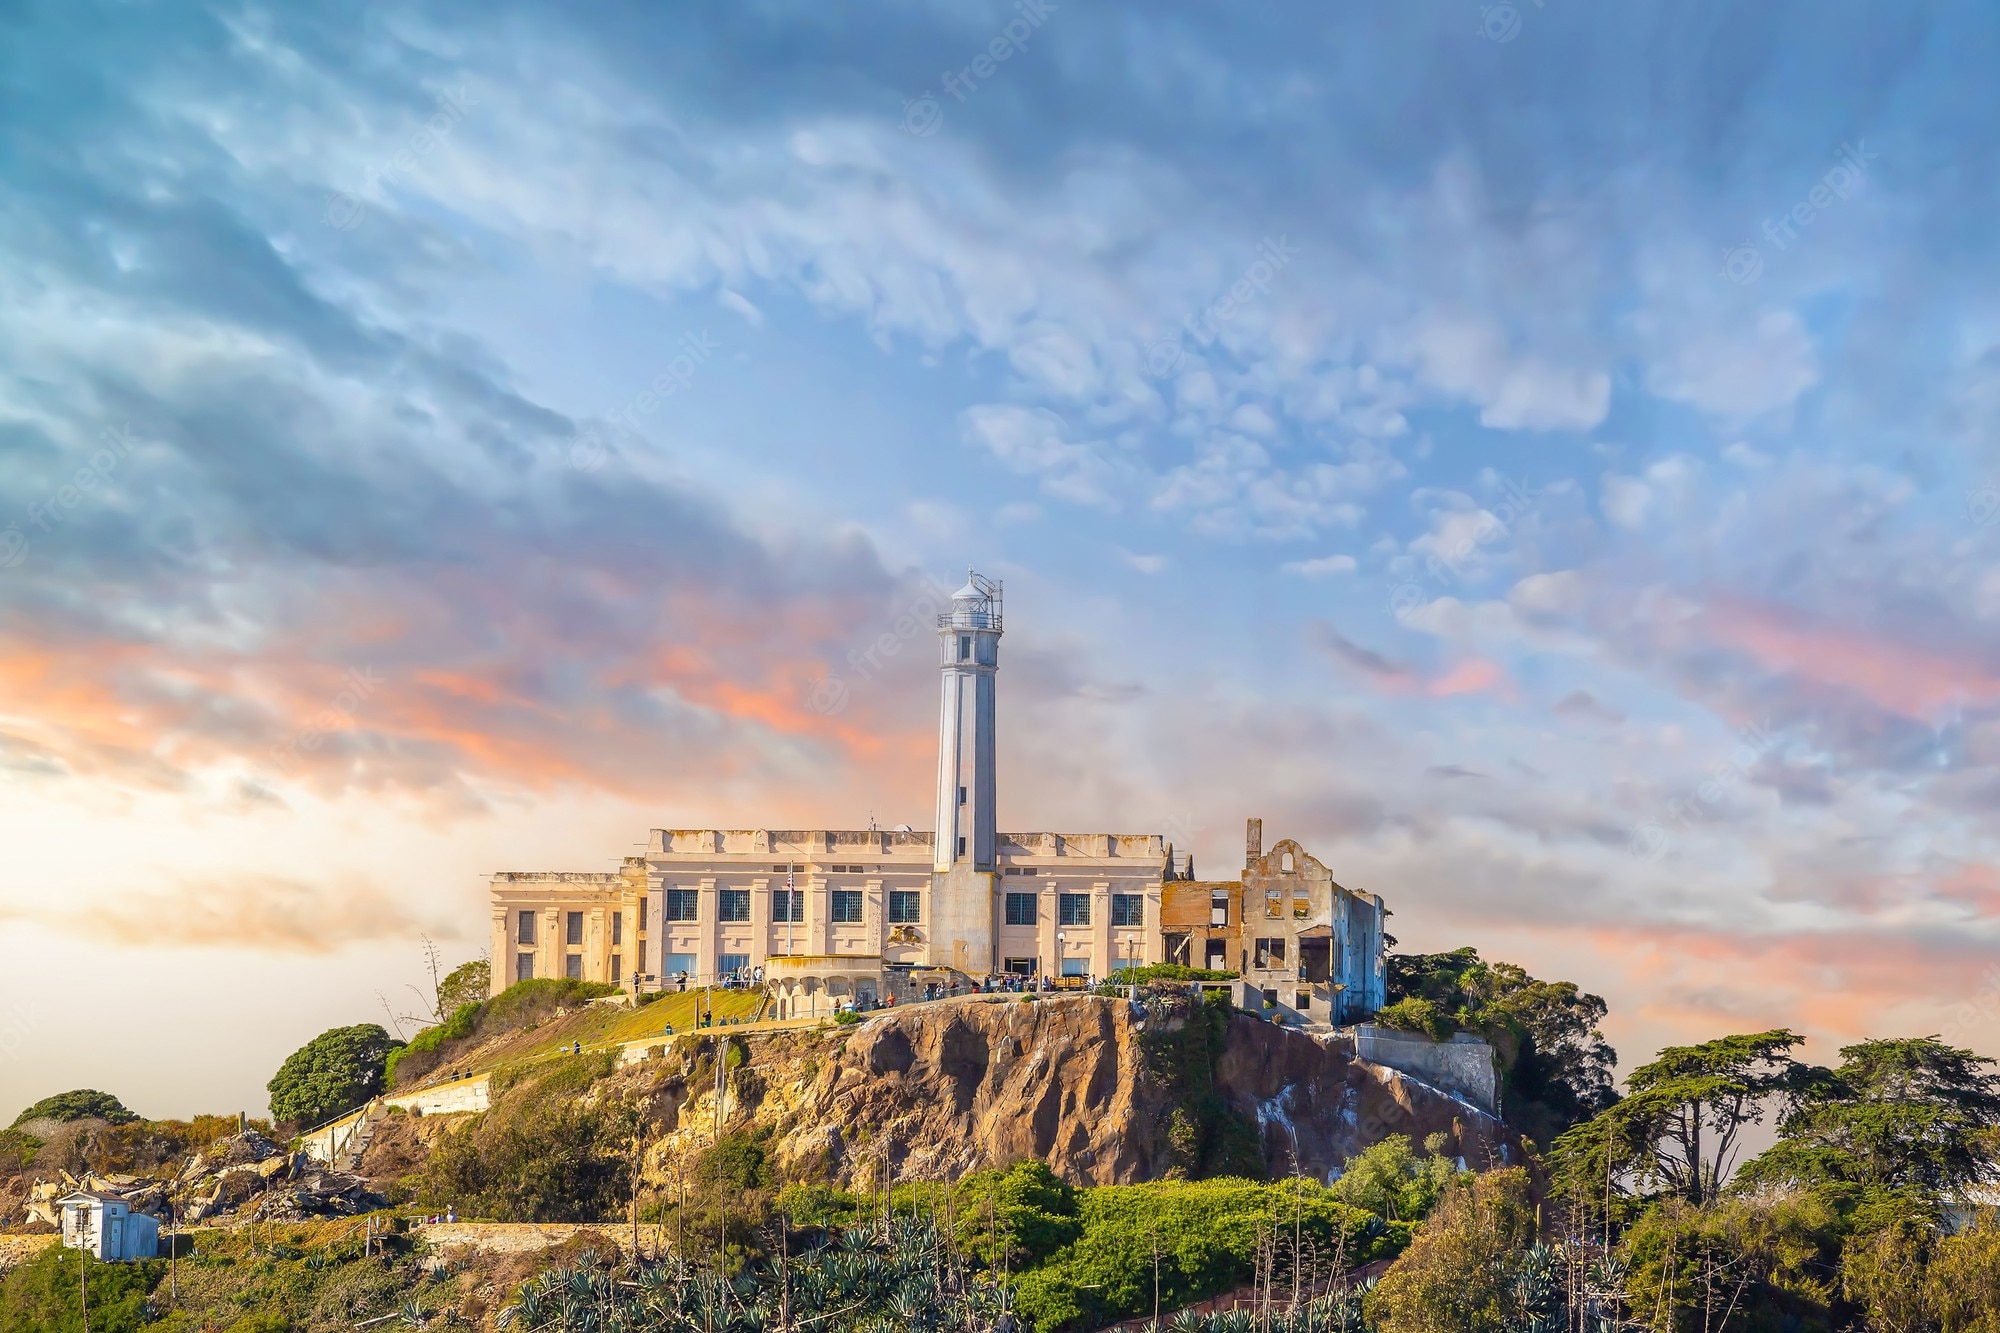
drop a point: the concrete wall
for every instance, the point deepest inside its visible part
(466, 1095)
(1462, 1066)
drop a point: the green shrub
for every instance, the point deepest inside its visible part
(78, 1104)
(847, 1018)
(44, 1295)
(1389, 1178)
(463, 1021)
(1019, 1216)
(539, 1155)
(1128, 976)
(1419, 1016)
(1206, 1234)
(332, 1074)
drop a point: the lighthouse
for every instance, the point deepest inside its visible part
(963, 852)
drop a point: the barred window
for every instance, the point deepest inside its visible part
(1128, 909)
(1020, 909)
(524, 967)
(683, 904)
(846, 906)
(617, 927)
(905, 906)
(733, 905)
(575, 927)
(788, 905)
(573, 966)
(525, 931)
(1072, 909)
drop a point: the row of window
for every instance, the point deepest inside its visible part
(525, 929)
(524, 966)
(1073, 909)
(845, 908)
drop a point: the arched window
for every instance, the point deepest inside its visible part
(1285, 865)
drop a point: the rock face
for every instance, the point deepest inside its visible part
(949, 1087)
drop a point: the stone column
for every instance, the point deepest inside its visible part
(708, 916)
(1100, 929)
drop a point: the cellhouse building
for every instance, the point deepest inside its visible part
(832, 916)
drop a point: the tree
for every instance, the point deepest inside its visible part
(1900, 1113)
(1682, 1123)
(1390, 1180)
(78, 1104)
(468, 983)
(1557, 1065)
(1458, 1276)
(331, 1075)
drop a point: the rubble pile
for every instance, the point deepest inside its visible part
(245, 1175)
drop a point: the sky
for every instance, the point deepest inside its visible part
(1541, 457)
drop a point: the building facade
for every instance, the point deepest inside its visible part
(827, 916)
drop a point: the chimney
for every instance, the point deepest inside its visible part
(1253, 840)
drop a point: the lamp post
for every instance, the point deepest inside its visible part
(1062, 951)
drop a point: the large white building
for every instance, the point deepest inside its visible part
(833, 914)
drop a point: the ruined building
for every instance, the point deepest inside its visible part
(830, 915)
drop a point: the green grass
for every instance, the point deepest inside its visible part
(600, 1026)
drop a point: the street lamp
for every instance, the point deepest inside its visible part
(1062, 950)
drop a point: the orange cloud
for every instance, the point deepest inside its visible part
(1893, 674)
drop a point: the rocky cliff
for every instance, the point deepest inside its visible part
(1102, 1091)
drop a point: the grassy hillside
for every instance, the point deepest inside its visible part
(528, 1021)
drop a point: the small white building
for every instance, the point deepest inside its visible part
(106, 1226)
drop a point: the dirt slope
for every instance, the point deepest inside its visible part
(949, 1087)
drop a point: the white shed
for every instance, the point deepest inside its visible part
(106, 1226)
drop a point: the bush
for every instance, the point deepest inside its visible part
(44, 1295)
(78, 1104)
(411, 1062)
(539, 1155)
(1130, 976)
(1207, 1234)
(1019, 1216)
(1392, 1181)
(1457, 1276)
(330, 1075)
(1419, 1016)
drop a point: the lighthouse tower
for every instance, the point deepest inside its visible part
(963, 855)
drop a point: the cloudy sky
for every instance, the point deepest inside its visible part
(1542, 458)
